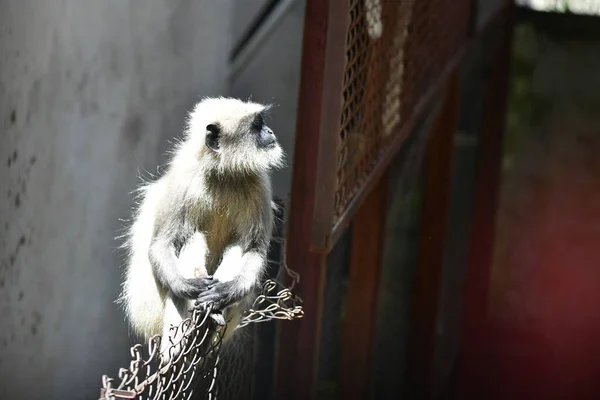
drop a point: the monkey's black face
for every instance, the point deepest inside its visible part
(247, 143)
(264, 136)
(243, 136)
(266, 139)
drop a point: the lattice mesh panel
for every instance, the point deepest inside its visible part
(395, 50)
(438, 29)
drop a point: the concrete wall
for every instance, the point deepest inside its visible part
(244, 13)
(90, 91)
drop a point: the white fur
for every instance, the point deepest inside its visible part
(142, 298)
(149, 307)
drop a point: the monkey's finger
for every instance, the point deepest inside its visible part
(204, 299)
(202, 303)
(211, 296)
(199, 306)
(208, 297)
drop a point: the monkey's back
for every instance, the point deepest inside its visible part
(142, 297)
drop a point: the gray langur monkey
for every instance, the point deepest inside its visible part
(202, 230)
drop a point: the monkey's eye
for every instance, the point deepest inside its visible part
(258, 122)
(212, 137)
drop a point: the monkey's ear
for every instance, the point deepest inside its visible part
(212, 137)
(258, 122)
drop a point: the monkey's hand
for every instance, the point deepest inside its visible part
(191, 288)
(220, 294)
(218, 318)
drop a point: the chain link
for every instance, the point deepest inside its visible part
(197, 354)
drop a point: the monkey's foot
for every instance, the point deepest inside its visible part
(218, 318)
(220, 294)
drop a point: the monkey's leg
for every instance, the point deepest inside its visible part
(192, 257)
(234, 315)
(171, 342)
(190, 261)
(178, 279)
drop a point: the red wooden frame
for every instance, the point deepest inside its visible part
(431, 252)
(317, 139)
(365, 265)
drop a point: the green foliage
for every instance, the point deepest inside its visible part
(524, 106)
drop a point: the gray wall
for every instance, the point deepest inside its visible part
(244, 13)
(90, 91)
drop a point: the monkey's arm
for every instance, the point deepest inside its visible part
(236, 277)
(163, 260)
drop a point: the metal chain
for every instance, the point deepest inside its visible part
(149, 377)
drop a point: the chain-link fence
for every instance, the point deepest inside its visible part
(191, 370)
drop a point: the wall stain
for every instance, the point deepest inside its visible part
(132, 130)
(37, 320)
(12, 158)
(13, 257)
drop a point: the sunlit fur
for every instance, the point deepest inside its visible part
(221, 193)
(238, 153)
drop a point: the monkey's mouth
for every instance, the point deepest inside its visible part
(267, 142)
